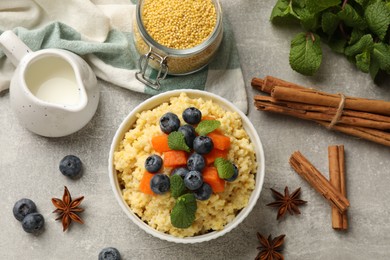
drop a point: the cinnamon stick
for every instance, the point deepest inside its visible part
(373, 135)
(269, 82)
(307, 171)
(310, 96)
(377, 136)
(337, 179)
(322, 113)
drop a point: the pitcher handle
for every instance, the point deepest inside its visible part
(13, 47)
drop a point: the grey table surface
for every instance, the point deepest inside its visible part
(29, 168)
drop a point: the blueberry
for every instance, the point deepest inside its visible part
(160, 183)
(235, 174)
(189, 134)
(203, 144)
(193, 180)
(70, 166)
(109, 253)
(204, 192)
(23, 207)
(180, 171)
(153, 163)
(33, 223)
(192, 115)
(169, 122)
(196, 162)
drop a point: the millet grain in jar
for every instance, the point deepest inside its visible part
(188, 41)
(179, 24)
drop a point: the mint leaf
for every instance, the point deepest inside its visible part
(183, 213)
(337, 43)
(282, 11)
(362, 3)
(378, 18)
(355, 35)
(351, 18)
(176, 141)
(374, 68)
(309, 20)
(207, 126)
(365, 43)
(381, 53)
(224, 167)
(306, 53)
(329, 23)
(363, 61)
(177, 186)
(315, 6)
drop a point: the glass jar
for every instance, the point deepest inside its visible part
(170, 61)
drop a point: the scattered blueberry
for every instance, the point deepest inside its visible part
(23, 207)
(109, 253)
(70, 166)
(204, 192)
(33, 223)
(160, 183)
(235, 174)
(153, 163)
(189, 134)
(196, 162)
(169, 122)
(181, 171)
(193, 180)
(203, 144)
(192, 115)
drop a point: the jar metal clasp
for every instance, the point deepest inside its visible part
(144, 64)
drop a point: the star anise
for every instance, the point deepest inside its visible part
(67, 209)
(270, 249)
(287, 202)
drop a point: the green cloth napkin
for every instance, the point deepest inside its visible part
(102, 35)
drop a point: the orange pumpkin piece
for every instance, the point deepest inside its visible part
(217, 131)
(160, 143)
(214, 154)
(220, 141)
(144, 185)
(208, 118)
(175, 158)
(210, 176)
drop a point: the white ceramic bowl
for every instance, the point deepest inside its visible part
(155, 101)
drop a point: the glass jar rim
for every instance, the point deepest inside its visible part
(171, 51)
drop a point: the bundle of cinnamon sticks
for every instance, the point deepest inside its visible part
(364, 118)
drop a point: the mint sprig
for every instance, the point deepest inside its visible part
(183, 213)
(207, 126)
(224, 167)
(177, 187)
(358, 29)
(176, 141)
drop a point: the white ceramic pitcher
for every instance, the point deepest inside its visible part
(53, 92)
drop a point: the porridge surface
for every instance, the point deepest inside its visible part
(211, 214)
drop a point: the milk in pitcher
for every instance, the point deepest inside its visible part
(53, 80)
